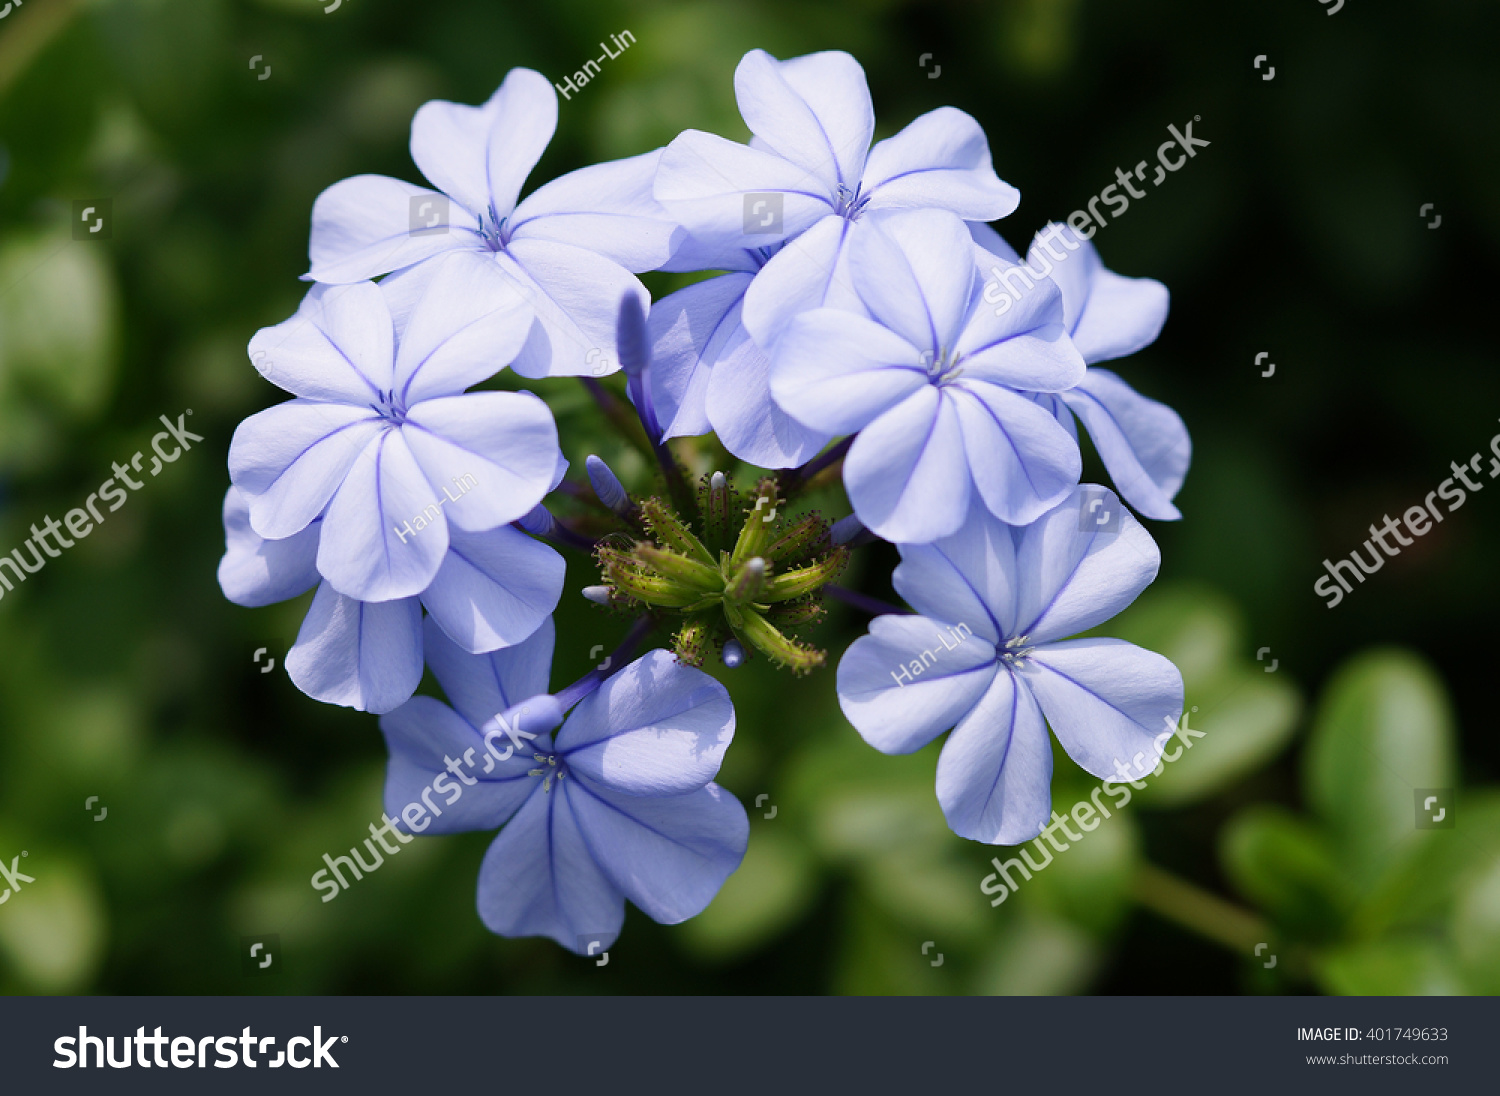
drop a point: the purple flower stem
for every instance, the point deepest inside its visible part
(872, 605)
(794, 479)
(617, 661)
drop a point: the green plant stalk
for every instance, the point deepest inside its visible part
(1194, 908)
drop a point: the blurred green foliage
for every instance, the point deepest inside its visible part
(126, 676)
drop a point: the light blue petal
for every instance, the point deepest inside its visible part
(540, 879)
(707, 374)
(423, 735)
(994, 776)
(992, 243)
(489, 456)
(481, 686)
(969, 577)
(1110, 703)
(691, 331)
(907, 474)
(668, 855)
(655, 728)
(836, 371)
(692, 253)
(1144, 444)
(494, 588)
(941, 161)
(607, 208)
(367, 226)
(290, 459)
(384, 535)
(749, 422)
(1022, 461)
(814, 111)
(256, 571)
(1074, 273)
(358, 654)
(470, 321)
(1076, 572)
(911, 679)
(914, 271)
(1021, 343)
(1109, 316)
(811, 271)
(1123, 315)
(480, 156)
(703, 181)
(338, 346)
(576, 294)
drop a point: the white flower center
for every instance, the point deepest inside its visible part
(552, 766)
(1015, 651)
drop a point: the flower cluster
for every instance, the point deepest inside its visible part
(850, 334)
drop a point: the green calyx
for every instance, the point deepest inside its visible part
(746, 571)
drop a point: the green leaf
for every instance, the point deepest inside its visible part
(1039, 956)
(1247, 728)
(1286, 867)
(858, 803)
(1406, 967)
(59, 320)
(1088, 882)
(1247, 714)
(1430, 867)
(771, 889)
(1476, 929)
(52, 931)
(934, 894)
(1383, 729)
(879, 956)
(1193, 625)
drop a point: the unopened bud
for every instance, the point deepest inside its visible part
(607, 486)
(851, 531)
(539, 522)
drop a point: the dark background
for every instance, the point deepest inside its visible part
(127, 675)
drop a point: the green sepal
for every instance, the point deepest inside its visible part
(755, 534)
(807, 537)
(672, 533)
(651, 589)
(680, 569)
(806, 580)
(692, 642)
(766, 638)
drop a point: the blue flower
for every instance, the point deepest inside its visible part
(812, 121)
(569, 248)
(1143, 443)
(493, 589)
(618, 803)
(708, 374)
(817, 183)
(382, 443)
(988, 656)
(933, 381)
